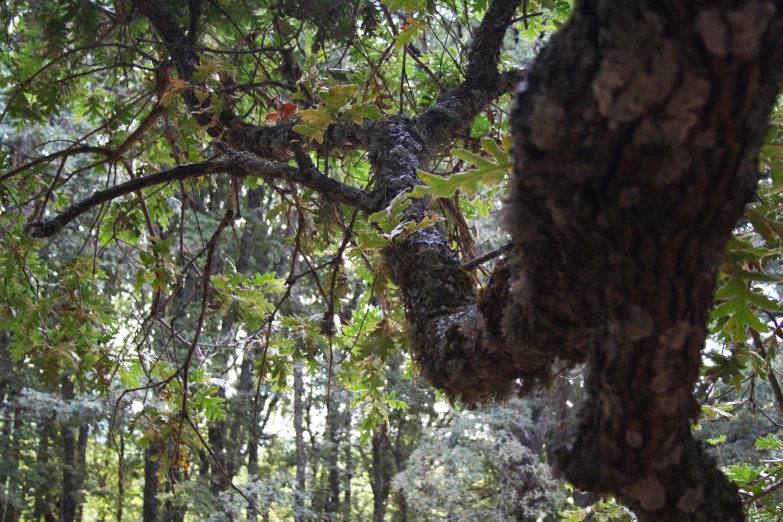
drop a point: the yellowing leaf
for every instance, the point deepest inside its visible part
(315, 122)
(175, 87)
(336, 97)
(205, 70)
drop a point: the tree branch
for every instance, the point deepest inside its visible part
(239, 164)
(499, 251)
(771, 377)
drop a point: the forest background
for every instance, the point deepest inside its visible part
(202, 318)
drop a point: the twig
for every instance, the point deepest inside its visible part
(228, 217)
(773, 380)
(470, 265)
(763, 493)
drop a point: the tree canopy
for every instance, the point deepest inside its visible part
(216, 216)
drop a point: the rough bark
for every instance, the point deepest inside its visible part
(641, 183)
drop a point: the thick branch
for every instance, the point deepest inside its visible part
(482, 84)
(637, 132)
(268, 142)
(72, 151)
(444, 324)
(53, 225)
(636, 136)
(239, 164)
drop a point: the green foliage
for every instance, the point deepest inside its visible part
(603, 511)
(335, 109)
(120, 299)
(488, 172)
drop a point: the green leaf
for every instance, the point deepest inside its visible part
(368, 241)
(408, 6)
(356, 113)
(205, 70)
(488, 172)
(769, 442)
(740, 295)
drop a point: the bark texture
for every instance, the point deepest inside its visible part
(636, 133)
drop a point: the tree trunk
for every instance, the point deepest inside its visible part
(301, 461)
(381, 474)
(41, 505)
(121, 481)
(84, 432)
(173, 512)
(399, 464)
(252, 473)
(350, 466)
(151, 482)
(68, 510)
(14, 491)
(622, 204)
(6, 365)
(216, 437)
(332, 507)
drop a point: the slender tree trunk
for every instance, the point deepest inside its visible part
(15, 491)
(4, 474)
(68, 510)
(151, 482)
(6, 366)
(350, 466)
(399, 463)
(301, 458)
(334, 429)
(41, 506)
(174, 512)
(216, 437)
(252, 473)
(84, 432)
(121, 481)
(11, 487)
(381, 474)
